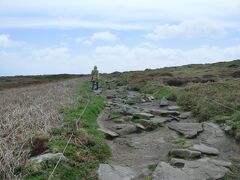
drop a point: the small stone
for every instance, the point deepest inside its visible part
(163, 102)
(48, 156)
(205, 149)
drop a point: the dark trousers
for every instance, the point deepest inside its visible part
(94, 85)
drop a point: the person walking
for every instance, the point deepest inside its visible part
(95, 78)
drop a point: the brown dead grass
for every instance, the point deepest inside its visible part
(26, 112)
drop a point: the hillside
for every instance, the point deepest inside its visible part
(211, 91)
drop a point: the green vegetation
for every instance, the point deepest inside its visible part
(182, 144)
(87, 147)
(210, 91)
(21, 81)
(152, 167)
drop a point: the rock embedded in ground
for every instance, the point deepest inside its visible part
(189, 130)
(143, 115)
(185, 153)
(160, 121)
(35, 163)
(163, 102)
(205, 168)
(108, 133)
(185, 115)
(114, 172)
(174, 108)
(125, 129)
(165, 171)
(205, 149)
(48, 156)
(160, 112)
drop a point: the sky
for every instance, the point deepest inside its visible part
(71, 36)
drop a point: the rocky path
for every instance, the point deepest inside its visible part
(153, 139)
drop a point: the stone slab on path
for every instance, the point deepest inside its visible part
(161, 112)
(165, 171)
(205, 149)
(185, 153)
(174, 108)
(108, 133)
(141, 115)
(125, 129)
(189, 130)
(205, 168)
(114, 172)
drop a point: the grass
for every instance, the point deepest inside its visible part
(182, 144)
(204, 87)
(87, 147)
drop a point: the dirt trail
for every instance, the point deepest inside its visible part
(145, 133)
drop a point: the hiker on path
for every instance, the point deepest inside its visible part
(94, 79)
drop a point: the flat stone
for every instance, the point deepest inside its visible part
(205, 168)
(163, 102)
(189, 130)
(185, 153)
(185, 115)
(114, 172)
(108, 133)
(143, 115)
(160, 120)
(165, 171)
(125, 129)
(161, 112)
(174, 108)
(221, 163)
(205, 149)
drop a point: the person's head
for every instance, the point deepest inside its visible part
(95, 67)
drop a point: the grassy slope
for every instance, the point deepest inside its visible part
(87, 148)
(196, 88)
(21, 81)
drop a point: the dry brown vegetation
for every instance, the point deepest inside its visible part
(26, 112)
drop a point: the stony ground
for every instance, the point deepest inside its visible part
(155, 139)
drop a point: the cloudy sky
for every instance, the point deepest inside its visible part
(71, 36)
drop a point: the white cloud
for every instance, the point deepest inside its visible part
(97, 36)
(117, 14)
(104, 36)
(109, 59)
(189, 29)
(7, 42)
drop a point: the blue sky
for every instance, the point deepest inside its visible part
(59, 36)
